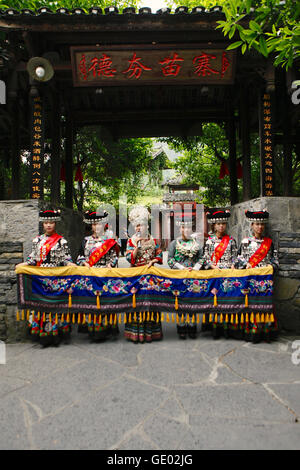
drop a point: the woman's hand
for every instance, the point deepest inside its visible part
(21, 264)
(214, 266)
(151, 263)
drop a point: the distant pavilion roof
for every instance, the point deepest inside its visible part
(180, 197)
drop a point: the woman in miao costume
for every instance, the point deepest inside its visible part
(185, 253)
(49, 250)
(142, 249)
(220, 252)
(99, 251)
(258, 251)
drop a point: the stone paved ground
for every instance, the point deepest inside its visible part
(193, 394)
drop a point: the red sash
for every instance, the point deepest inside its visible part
(261, 252)
(46, 247)
(220, 249)
(97, 253)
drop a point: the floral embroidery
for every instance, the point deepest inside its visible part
(196, 285)
(116, 286)
(258, 287)
(82, 284)
(155, 283)
(61, 285)
(230, 284)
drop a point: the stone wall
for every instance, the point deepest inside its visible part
(11, 253)
(19, 225)
(19, 222)
(284, 229)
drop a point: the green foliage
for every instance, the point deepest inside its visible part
(69, 4)
(274, 28)
(110, 168)
(200, 163)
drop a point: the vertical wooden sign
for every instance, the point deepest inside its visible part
(266, 146)
(37, 148)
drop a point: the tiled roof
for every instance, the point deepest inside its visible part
(112, 10)
(179, 197)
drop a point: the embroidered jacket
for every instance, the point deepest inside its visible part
(227, 259)
(185, 254)
(249, 246)
(89, 244)
(59, 255)
(148, 251)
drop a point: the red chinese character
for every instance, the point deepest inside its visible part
(135, 68)
(201, 63)
(225, 64)
(102, 66)
(82, 67)
(169, 65)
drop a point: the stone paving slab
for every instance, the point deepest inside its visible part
(228, 435)
(74, 384)
(101, 419)
(241, 401)
(13, 434)
(171, 394)
(165, 432)
(288, 394)
(259, 366)
(11, 384)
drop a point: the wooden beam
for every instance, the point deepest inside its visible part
(15, 152)
(197, 114)
(14, 134)
(245, 137)
(69, 162)
(32, 45)
(131, 129)
(287, 141)
(232, 161)
(55, 148)
(2, 175)
(200, 24)
(266, 144)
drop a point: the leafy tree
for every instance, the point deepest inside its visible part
(273, 27)
(69, 4)
(200, 163)
(201, 157)
(110, 168)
